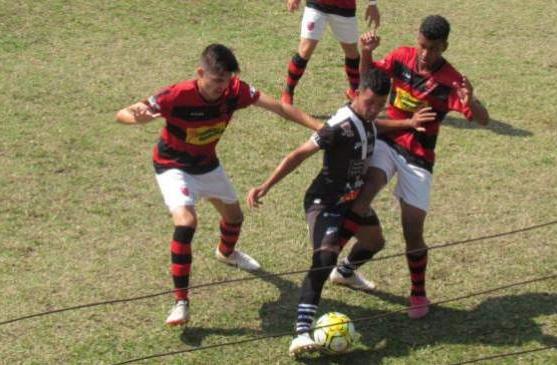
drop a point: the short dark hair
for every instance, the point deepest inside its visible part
(218, 58)
(435, 27)
(375, 80)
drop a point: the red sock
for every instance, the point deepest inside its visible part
(180, 252)
(417, 263)
(229, 234)
(296, 68)
(351, 67)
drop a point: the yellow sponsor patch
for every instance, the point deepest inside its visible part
(204, 135)
(405, 101)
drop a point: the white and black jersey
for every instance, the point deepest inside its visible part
(348, 141)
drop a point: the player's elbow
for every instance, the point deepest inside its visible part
(122, 117)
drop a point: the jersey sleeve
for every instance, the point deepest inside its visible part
(387, 63)
(247, 95)
(326, 137)
(162, 101)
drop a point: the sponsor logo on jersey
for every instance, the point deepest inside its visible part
(347, 130)
(407, 102)
(204, 135)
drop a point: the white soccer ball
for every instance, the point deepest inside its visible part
(334, 332)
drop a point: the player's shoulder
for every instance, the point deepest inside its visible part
(342, 115)
(404, 51)
(448, 74)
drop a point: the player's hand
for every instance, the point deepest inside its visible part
(373, 17)
(254, 196)
(292, 5)
(142, 113)
(422, 117)
(369, 41)
(464, 91)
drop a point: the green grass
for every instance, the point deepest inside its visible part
(81, 218)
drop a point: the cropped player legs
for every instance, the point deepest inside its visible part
(297, 67)
(185, 222)
(413, 226)
(351, 67)
(230, 224)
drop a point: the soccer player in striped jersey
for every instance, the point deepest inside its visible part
(348, 140)
(197, 112)
(422, 81)
(340, 15)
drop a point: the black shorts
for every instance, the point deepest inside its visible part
(325, 222)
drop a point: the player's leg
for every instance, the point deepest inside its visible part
(369, 242)
(179, 195)
(413, 227)
(230, 226)
(351, 68)
(413, 190)
(217, 188)
(345, 30)
(323, 226)
(312, 28)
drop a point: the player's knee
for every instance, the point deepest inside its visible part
(413, 235)
(323, 262)
(184, 216)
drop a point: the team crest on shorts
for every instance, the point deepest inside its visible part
(185, 191)
(311, 26)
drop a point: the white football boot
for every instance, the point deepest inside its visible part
(239, 259)
(303, 343)
(354, 281)
(179, 314)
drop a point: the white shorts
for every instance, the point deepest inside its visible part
(179, 188)
(345, 29)
(413, 182)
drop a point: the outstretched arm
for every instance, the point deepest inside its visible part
(418, 121)
(287, 165)
(138, 113)
(288, 112)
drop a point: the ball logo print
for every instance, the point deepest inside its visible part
(335, 333)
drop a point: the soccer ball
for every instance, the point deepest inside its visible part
(334, 332)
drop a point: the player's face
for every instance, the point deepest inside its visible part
(429, 51)
(212, 85)
(368, 104)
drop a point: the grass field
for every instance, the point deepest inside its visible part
(81, 218)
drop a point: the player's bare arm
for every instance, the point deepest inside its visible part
(288, 112)
(369, 41)
(138, 113)
(465, 93)
(418, 121)
(372, 16)
(287, 165)
(293, 5)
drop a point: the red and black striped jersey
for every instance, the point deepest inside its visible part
(194, 126)
(412, 91)
(339, 7)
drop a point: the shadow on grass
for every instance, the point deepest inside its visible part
(495, 126)
(507, 320)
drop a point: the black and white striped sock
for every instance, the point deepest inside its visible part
(304, 320)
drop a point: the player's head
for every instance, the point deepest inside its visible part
(432, 40)
(216, 66)
(374, 89)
